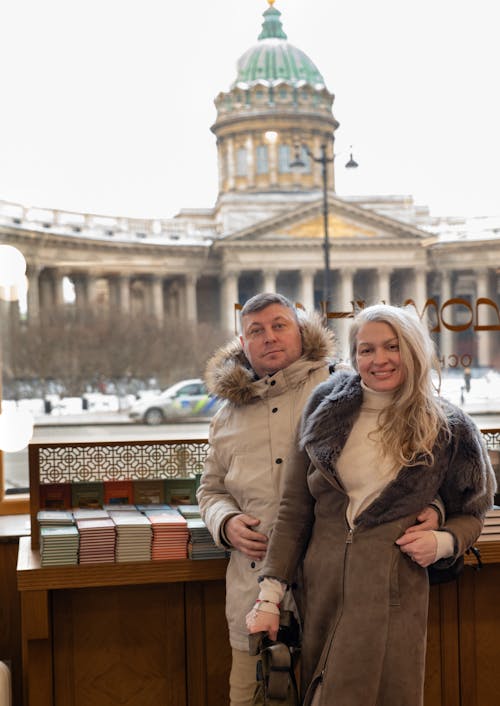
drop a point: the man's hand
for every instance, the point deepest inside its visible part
(420, 546)
(239, 533)
(427, 520)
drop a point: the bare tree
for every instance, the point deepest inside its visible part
(79, 349)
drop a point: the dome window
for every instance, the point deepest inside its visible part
(284, 159)
(262, 159)
(241, 162)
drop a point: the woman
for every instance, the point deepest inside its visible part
(381, 445)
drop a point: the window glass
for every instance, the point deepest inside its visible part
(284, 159)
(262, 159)
(241, 162)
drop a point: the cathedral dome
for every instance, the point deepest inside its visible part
(273, 60)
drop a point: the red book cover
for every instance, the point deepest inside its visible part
(55, 496)
(119, 492)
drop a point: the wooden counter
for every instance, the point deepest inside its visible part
(142, 633)
(155, 633)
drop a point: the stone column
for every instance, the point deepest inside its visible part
(91, 289)
(230, 166)
(123, 293)
(446, 337)
(273, 163)
(221, 164)
(46, 292)
(384, 284)
(157, 298)
(419, 294)
(484, 338)
(172, 304)
(306, 294)
(190, 297)
(33, 296)
(344, 305)
(57, 288)
(315, 167)
(250, 147)
(229, 297)
(269, 281)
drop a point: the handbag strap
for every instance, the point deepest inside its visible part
(277, 664)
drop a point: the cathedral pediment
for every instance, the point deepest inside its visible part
(346, 222)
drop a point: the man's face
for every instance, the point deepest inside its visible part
(271, 339)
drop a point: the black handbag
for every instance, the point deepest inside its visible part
(276, 684)
(451, 573)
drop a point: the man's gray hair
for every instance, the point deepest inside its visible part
(265, 299)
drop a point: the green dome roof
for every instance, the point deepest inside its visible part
(273, 60)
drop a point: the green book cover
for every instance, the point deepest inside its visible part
(89, 494)
(180, 491)
(149, 492)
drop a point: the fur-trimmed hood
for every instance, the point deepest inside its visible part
(228, 373)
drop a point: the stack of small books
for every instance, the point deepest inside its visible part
(201, 544)
(189, 511)
(97, 539)
(170, 535)
(491, 527)
(58, 538)
(133, 536)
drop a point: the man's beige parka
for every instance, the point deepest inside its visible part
(253, 447)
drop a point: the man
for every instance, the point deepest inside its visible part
(266, 378)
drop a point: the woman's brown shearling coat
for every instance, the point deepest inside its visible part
(364, 601)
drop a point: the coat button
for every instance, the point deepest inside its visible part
(279, 460)
(274, 410)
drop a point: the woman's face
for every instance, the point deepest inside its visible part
(378, 358)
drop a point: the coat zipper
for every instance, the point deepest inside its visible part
(319, 679)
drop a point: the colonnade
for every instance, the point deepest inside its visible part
(184, 296)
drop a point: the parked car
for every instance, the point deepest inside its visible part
(186, 399)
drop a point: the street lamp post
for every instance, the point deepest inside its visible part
(324, 160)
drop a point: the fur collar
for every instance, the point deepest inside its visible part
(229, 375)
(460, 465)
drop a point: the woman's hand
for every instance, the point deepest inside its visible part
(261, 621)
(420, 546)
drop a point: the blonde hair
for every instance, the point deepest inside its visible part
(410, 425)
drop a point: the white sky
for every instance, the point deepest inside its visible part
(106, 105)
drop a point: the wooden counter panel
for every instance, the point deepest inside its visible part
(209, 653)
(479, 621)
(119, 646)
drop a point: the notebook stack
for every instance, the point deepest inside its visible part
(189, 511)
(97, 540)
(148, 508)
(133, 536)
(491, 527)
(58, 538)
(170, 535)
(201, 543)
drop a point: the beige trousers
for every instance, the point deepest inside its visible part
(242, 680)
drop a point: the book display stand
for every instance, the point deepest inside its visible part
(120, 633)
